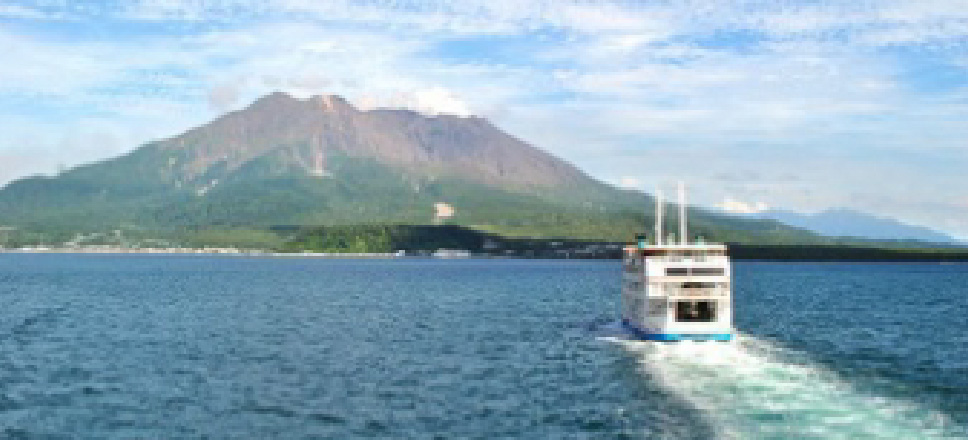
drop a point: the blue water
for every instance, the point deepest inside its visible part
(193, 347)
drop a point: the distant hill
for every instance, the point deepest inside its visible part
(321, 161)
(843, 222)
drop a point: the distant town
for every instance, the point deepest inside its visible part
(557, 250)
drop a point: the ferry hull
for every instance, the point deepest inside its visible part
(643, 335)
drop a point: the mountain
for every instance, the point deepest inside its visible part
(843, 222)
(321, 161)
(301, 135)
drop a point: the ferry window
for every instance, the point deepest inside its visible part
(670, 271)
(698, 285)
(695, 311)
(708, 271)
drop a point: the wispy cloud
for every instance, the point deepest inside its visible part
(21, 12)
(837, 94)
(734, 206)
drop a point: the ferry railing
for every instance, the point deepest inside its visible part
(680, 291)
(687, 259)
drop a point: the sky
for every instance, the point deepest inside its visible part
(800, 105)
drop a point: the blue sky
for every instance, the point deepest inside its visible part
(801, 105)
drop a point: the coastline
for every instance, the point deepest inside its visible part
(226, 252)
(750, 253)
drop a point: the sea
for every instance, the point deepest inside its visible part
(157, 347)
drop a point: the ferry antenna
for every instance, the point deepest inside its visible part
(658, 217)
(683, 222)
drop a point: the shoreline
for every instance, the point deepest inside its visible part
(870, 256)
(226, 252)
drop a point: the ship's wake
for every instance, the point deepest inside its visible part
(750, 388)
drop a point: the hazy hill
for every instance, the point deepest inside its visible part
(843, 222)
(321, 161)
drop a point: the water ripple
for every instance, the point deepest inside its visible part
(195, 347)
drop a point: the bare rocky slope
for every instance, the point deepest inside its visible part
(304, 134)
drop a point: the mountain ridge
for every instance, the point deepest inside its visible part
(845, 222)
(307, 132)
(321, 161)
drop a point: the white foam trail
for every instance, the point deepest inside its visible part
(752, 389)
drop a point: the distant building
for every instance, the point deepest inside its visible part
(443, 211)
(452, 253)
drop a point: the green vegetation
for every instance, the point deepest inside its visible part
(416, 239)
(134, 193)
(364, 206)
(243, 238)
(382, 238)
(424, 239)
(845, 253)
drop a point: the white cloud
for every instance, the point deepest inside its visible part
(921, 21)
(652, 89)
(224, 97)
(438, 100)
(16, 11)
(739, 207)
(630, 182)
(321, 47)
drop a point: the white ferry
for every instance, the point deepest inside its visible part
(675, 291)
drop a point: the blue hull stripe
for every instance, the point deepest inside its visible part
(671, 337)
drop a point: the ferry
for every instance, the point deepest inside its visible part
(676, 290)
